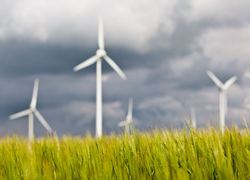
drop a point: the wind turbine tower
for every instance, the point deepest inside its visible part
(193, 118)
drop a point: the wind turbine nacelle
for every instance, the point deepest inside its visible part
(101, 53)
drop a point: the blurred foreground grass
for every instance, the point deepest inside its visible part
(158, 155)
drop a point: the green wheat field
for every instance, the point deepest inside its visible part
(158, 155)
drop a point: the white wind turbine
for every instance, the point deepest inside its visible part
(222, 96)
(193, 118)
(190, 122)
(129, 119)
(245, 123)
(31, 112)
(100, 55)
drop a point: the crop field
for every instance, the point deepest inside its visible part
(157, 155)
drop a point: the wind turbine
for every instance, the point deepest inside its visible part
(190, 121)
(222, 96)
(245, 122)
(129, 119)
(31, 112)
(193, 118)
(100, 55)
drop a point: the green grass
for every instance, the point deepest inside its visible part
(158, 155)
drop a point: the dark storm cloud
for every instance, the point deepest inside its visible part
(165, 48)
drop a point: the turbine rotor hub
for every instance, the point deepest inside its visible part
(101, 53)
(32, 109)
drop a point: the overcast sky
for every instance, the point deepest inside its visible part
(164, 47)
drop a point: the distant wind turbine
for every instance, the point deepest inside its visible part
(129, 119)
(193, 117)
(190, 121)
(222, 96)
(31, 112)
(100, 55)
(245, 122)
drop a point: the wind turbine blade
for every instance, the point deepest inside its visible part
(215, 79)
(35, 94)
(43, 121)
(230, 82)
(100, 34)
(86, 63)
(130, 110)
(20, 114)
(115, 67)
